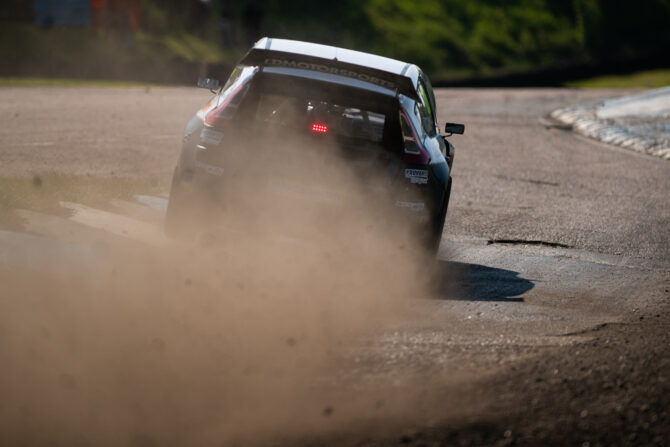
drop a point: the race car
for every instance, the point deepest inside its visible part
(301, 120)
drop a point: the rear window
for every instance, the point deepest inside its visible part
(276, 111)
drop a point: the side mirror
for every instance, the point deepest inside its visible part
(452, 128)
(210, 84)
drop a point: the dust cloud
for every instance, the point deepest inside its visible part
(242, 335)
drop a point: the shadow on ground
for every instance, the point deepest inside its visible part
(475, 282)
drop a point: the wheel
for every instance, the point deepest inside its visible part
(438, 226)
(181, 213)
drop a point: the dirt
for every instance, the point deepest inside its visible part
(548, 324)
(610, 390)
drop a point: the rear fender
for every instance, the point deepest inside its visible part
(420, 158)
(187, 156)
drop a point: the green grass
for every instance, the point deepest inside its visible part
(62, 82)
(43, 193)
(641, 79)
(70, 53)
(185, 46)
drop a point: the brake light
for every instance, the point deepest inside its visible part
(320, 128)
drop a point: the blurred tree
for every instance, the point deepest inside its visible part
(484, 36)
(16, 10)
(621, 28)
(443, 36)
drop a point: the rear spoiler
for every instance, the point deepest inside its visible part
(262, 58)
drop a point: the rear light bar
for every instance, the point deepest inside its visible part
(320, 128)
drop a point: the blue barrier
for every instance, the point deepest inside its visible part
(62, 12)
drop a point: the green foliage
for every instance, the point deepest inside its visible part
(155, 19)
(481, 35)
(641, 79)
(83, 53)
(448, 38)
(414, 31)
(478, 36)
(68, 82)
(182, 45)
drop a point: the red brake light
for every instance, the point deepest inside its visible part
(320, 128)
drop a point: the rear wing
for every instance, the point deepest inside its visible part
(272, 58)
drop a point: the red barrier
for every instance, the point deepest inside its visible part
(101, 8)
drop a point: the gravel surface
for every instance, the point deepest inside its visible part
(516, 179)
(549, 323)
(112, 132)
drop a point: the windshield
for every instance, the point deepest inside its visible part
(280, 112)
(289, 106)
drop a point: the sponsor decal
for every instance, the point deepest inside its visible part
(202, 113)
(210, 136)
(326, 69)
(419, 176)
(415, 207)
(210, 169)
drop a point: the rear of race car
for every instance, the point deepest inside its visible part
(294, 148)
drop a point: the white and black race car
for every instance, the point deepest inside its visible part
(289, 103)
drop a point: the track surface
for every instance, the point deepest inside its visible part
(555, 328)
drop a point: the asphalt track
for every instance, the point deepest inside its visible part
(553, 238)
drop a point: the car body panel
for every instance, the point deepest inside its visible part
(221, 146)
(386, 72)
(374, 61)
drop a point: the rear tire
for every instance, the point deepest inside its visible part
(179, 216)
(438, 228)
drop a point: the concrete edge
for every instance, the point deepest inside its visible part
(584, 120)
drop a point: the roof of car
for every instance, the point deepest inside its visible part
(381, 70)
(334, 53)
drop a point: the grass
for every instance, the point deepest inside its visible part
(185, 46)
(65, 53)
(64, 82)
(641, 79)
(42, 193)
